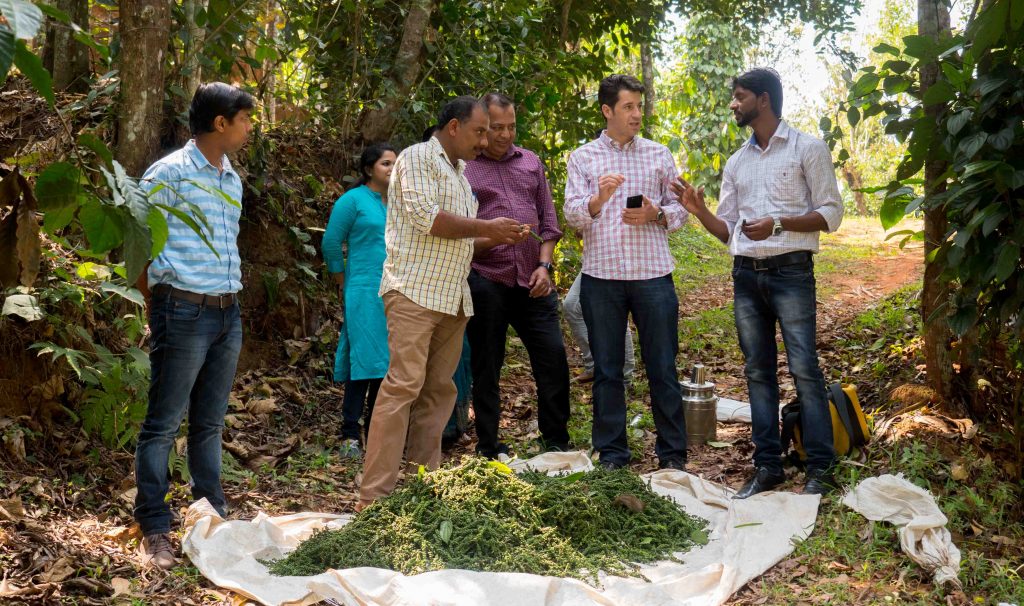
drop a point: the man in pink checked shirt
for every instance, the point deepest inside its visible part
(512, 284)
(627, 269)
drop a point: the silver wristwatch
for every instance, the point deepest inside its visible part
(777, 227)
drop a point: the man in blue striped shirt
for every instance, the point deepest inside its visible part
(195, 328)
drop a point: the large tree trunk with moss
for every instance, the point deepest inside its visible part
(144, 27)
(191, 73)
(647, 70)
(933, 21)
(406, 66)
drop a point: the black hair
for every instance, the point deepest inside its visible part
(369, 158)
(216, 99)
(427, 134)
(762, 80)
(608, 91)
(497, 99)
(460, 108)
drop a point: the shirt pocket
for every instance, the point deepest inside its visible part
(788, 183)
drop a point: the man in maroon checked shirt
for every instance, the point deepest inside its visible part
(511, 284)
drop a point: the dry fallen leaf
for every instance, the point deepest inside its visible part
(121, 586)
(12, 510)
(59, 570)
(261, 406)
(958, 471)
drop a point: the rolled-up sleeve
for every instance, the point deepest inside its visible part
(728, 211)
(577, 195)
(675, 214)
(419, 187)
(821, 181)
(338, 227)
(548, 228)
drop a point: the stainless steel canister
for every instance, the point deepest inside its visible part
(700, 406)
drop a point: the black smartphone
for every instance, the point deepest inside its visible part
(634, 201)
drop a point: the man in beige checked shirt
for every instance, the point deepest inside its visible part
(429, 233)
(779, 192)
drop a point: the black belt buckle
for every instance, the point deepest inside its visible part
(761, 264)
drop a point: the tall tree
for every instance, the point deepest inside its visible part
(405, 69)
(66, 58)
(144, 28)
(933, 22)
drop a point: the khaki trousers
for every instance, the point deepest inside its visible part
(417, 395)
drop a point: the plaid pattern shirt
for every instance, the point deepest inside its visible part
(186, 262)
(613, 250)
(430, 271)
(791, 177)
(515, 187)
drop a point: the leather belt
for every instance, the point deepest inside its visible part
(218, 301)
(793, 258)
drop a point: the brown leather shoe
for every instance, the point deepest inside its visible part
(587, 376)
(157, 550)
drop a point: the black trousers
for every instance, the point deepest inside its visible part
(536, 321)
(354, 405)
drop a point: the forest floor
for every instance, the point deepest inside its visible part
(67, 535)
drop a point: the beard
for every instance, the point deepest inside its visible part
(744, 119)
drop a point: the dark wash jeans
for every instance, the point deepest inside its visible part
(536, 321)
(655, 309)
(785, 295)
(193, 355)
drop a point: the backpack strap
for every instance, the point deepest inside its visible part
(858, 436)
(790, 418)
(842, 402)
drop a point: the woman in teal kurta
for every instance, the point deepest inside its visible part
(357, 221)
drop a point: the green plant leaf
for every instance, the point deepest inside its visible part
(32, 66)
(896, 66)
(131, 294)
(96, 146)
(58, 187)
(976, 168)
(940, 92)
(1007, 261)
(866, 84)
(853, 115)
(889, 49)
(1003, 139)
(1016, 14)
(137, 246)
(970, 145)
(158, 231)
(894, 85)
(6, 52)
(989, 27)
(957, 121)
(919, 47)
(24, 18)
(103, 226)
(892, 211)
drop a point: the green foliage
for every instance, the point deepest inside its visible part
(971, 119)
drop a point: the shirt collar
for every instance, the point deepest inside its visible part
(200, 161)
(781, 132)
(629, 145)
(511, 152)
(438, 149)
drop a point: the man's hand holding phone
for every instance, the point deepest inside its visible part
(639, 211)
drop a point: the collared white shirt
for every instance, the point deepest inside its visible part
(792, 176)
(430, 271)
(613, 250)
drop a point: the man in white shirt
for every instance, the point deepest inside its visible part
(778, 192)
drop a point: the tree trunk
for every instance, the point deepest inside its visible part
(66, 58)
(933, 21)
(563, 34)
(379, 123)
(191, 73)
(144, 27)
(647, 70)
(269, 82)
(856, 184)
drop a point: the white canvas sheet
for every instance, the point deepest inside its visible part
(747, 537)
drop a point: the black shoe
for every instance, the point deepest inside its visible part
(493, 454)
(762, 480)
(677, 464)
(819, 481)
(611, 465)
(556, 447)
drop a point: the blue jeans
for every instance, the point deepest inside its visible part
(193, 354)
(655, 309)
(785, 295)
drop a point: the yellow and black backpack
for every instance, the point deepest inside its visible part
(849, 425)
